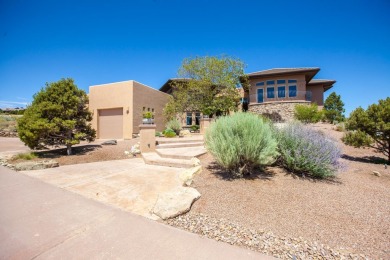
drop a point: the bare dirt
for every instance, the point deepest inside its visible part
(350, 213)
(86, 153)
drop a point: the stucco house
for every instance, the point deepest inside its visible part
(118, 108)
(275, 92)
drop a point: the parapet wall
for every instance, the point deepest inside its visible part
(277, 111)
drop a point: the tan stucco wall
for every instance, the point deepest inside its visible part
(301, 86)
(151, 98)
(317, 93)
(113, 95)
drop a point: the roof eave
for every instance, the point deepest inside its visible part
(309, 74)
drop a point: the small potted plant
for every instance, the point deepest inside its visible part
(148, 118)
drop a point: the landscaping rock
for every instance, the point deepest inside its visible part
(195, 162)
(262, 241)
(185, 133)
(376, 173)
(187, 176)
(109, 142)
(28, 166)
(175, 202)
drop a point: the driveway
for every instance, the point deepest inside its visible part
(41, 221)
(11, 145)
(128, 184)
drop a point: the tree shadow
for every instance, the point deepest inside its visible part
(256, 174)
(365, 159)
(59, 152)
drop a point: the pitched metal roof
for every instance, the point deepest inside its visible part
(322, 81)
(283, 71)
(168, 85)
(326, 83)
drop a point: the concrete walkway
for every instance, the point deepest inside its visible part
(128, 184)
(41, 221)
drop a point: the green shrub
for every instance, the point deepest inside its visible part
(241, 142)
(169, 133)
(357, 139)
(306, 151)
(308, 113)
(194, 128)
(158, 134)
(175, 125)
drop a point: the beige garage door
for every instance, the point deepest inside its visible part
(111, 123)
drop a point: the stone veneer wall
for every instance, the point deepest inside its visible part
(277, 111)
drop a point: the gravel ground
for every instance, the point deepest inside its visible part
(279, 214)
(88, 152)
(350, 214)
(258, 240)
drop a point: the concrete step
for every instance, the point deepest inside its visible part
(178, 140)
(179, 145)
(181, 153)
(154, 159)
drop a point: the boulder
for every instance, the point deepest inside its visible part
(376, 173)
(195, 161)
(184, 133)
(175, 202)
(28, 166)
(187, 175)
(109, 142)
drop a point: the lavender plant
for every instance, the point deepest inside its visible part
(241, 142)
(306, 151)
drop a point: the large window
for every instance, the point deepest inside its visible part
(260, 97)
(271, 92)
(197, 118)
(292, 91)
(189, 118)
(281, 91)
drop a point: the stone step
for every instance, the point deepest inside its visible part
(181, 153)
(178, 140)
(179, 145)
(154, 159)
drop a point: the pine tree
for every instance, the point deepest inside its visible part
(374, 122)
(334, 108)
(58, 115)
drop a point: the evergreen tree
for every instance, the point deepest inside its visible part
(58, 115)
(374, 122)
(334, 108)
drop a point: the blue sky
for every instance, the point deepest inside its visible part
(97, 42)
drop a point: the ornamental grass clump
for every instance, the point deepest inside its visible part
(241, 142)
(174, 124)
(306, 151)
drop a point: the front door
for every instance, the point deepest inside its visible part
(260, 95)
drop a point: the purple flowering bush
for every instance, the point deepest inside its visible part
(304, 150)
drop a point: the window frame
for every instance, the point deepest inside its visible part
(257, 95)
(273, 92)
(284, 91)
(290, 91)
(188, 117)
